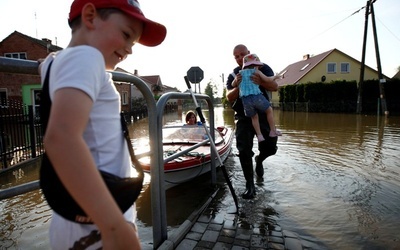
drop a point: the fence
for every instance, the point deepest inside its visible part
(322, 107)
(20, 134)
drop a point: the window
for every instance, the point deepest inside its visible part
(305, 66)
(17, 55)
(344, 67)
(124, 98)
(331, 68)
(36, 100)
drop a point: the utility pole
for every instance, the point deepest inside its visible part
(361, 81)
(378, 62)
(369, 7)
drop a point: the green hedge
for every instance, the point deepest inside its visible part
(341, 96)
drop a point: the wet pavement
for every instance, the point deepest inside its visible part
(223, 228)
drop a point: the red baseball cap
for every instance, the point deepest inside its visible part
(153, 33)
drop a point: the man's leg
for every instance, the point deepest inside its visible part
(244, 143)
(247, 167)
(266, 148)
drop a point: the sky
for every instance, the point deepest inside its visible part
(204, 33)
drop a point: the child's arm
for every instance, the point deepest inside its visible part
(267, 79)
(76, 168)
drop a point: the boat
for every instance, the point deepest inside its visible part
(187, 152)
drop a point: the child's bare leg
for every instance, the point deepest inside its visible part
(256, 126)
(270, 118)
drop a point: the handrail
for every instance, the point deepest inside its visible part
(20, 189)
(155, 111)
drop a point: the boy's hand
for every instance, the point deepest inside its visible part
(40, 62)
(122, 237)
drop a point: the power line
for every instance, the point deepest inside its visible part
(388, 29)
(355, 12)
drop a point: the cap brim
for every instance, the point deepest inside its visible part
(153, 33)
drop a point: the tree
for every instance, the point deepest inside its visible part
(224, 100)
(210, 91)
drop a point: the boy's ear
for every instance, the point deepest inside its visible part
(88, 14)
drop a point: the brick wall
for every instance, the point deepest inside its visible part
(17, 42)
(124, 87)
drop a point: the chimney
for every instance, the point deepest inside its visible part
(135, 72)
(46, 40)
(306, 57)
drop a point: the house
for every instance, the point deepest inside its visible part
(156, 86)
(329, 66)
(397, 75)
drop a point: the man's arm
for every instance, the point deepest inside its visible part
(232, 94)
(231, 85)
(265, 83)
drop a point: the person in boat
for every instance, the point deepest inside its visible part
(252, 97)
(84, 133)
(244, 129)
(194, 133)
(191, 118)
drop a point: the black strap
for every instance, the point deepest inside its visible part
(134, 160)
(45, 101)
(45, 113)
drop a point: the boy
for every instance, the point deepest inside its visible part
(83, 133)
(252, 97)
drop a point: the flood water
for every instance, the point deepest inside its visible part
(335, 181)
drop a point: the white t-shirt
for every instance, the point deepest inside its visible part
(83, 68)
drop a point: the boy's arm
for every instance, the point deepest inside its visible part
(76, 168)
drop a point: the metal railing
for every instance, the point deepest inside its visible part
(155, 114)
(20, 134)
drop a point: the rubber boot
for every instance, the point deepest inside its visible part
(247, 167)
(250, 192)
